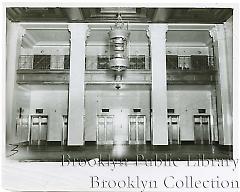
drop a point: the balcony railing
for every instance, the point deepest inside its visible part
(58, 62)
(44, 62)
(136, 62)
(191, 63)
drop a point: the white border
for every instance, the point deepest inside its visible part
(53, 175)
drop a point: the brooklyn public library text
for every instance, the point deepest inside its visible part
(169, 182)
(155, 161)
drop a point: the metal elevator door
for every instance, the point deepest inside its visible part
(137, 126)
(38, 129)
(64, 129)
(105, 129)
(202, 129)
(22, 128)
(173, 129)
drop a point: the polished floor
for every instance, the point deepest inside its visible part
(55, 153)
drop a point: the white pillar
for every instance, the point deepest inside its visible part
(14, 38)
(76, 84)
(223, 89)
(159, 84)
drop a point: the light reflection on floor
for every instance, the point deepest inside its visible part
(119, 150)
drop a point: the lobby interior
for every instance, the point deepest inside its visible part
(119, 82)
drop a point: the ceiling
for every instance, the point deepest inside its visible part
(188, 37)
(43, 37)
(49, 35)
(60, 37)
(128, 14)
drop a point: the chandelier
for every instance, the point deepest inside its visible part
(118, 36)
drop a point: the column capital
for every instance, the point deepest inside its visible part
(162, 28)
(79, 29)
(74, 26)
(213, 33)
(22, 30)
(217, 32)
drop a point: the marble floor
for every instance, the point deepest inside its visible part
(55, 153)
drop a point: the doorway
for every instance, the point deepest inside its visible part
(112, 126)
(121, 125)
(38, 129)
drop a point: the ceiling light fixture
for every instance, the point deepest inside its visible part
(119, 44)
(119, 35)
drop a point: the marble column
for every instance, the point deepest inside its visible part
(159, 131)
(13, 49)
(76, 84)
(224, 93)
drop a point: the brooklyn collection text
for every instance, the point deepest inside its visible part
(169, 182)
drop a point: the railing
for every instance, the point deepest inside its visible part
(191, 63)
(44, 62)
(136, 62)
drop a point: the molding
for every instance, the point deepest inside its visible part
(114, 82)
(107, 26)
(88, 32)
(52, 43)
(107, 44)
(33, 25)
(191, 27)
(28, 40)
(181, 44)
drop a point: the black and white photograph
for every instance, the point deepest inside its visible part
(121, 87)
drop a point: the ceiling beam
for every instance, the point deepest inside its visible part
(161, 15)
(74, 14)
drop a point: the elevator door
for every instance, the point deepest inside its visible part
(22, 128)
(105, 129)
(121, 125)
(137, 124)
(64, 129)
(202, 129)
(38, 130)
(173, 129)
